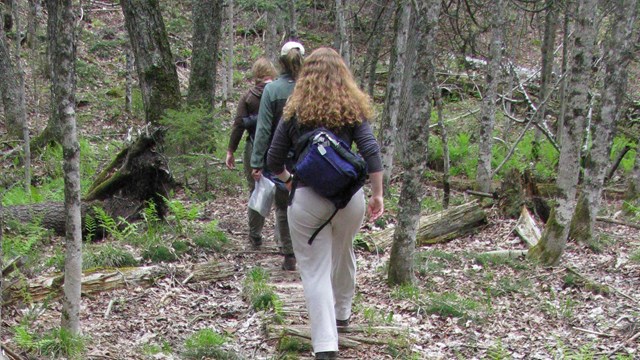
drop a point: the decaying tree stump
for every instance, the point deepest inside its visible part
(138, 174)
(520, 189)
(440, 227)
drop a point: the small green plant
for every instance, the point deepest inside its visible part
(406, 292)
(107, 256)
(121, 230)
(159, 253)
(498, 352)
(154, 349)
(635, 256)
(212, 238)
(56, 343)
(375, 317)
(260, 294)
(182, 216)
(449, 304)
(288, 344)
(207, 343)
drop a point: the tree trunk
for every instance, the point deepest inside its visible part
(401, 264)
(32, 27)
(389, 119)
(207, 21)
(616, 61)
(232, 41)
(564, 68)
(156, 70)
(11, 89)
(382, 12)
(271, 40)
(552, 243)
(292, 17)
(342, 42)
(128, 83)
(488, 108)
(63, 54)
(547, 55)
(446, 186)
(7, 16)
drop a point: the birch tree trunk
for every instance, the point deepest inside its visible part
(154, 63)
(488, 107)
(389, 120)
(343, 37)
(554, 237)
(401, 264)
(207, 21)
(63, 52)
(617, 57)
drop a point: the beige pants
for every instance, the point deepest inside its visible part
(328, 266)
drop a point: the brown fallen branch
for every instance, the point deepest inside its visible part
(527, 229)
(618, 222)
(211, 271)
(92, 282)
(304, 334)
(13, 265)
(493, 195)
(443, 226)
(8, 352)
(505, 254)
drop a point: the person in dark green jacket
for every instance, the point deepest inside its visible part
(272, 103)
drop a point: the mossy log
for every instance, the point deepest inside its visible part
(92, 282)
(138, 174)
(441, 227)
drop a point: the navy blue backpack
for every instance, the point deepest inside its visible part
(327, 165)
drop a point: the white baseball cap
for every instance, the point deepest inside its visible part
(291, 45)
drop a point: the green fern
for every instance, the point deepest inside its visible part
(90, 226)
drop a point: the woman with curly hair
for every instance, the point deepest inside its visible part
(326, 95)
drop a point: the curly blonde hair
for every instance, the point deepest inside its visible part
(262, 69)
(326, 93)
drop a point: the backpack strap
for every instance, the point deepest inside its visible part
(315, 233)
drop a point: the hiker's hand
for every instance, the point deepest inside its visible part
(375, 208)
(257, 174)
(230, 161)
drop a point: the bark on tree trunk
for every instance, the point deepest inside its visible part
(616, 61)
(389, 120)
(401, 264)
(552, 243)
(633, 187)
(207, 21)
(488, 108)
(382, 14)
(292, 16)
(342, 43)
(63, 54)
(32, 28)
(11, 89)
(271, 39)
(156, 70)
(564, 67)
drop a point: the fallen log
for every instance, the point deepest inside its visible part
(441, 227)
(92, 282)
(137, 175)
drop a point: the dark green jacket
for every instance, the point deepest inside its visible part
(272, 103)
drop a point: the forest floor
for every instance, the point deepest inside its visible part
(463, 307)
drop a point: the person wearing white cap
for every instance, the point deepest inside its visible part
(274, 98)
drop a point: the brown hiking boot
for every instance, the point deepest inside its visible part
(289, 263)
(342, 325)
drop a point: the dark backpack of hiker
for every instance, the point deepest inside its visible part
(326, 164)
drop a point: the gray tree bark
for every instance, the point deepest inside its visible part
(547, 56)
(382, 12)
(154, 63)
(554, 237)
(401, 264)
(564, 67)
(32, 28)
(488, 107)
(227, 81)
(389, 119)
(618, 55)
(207, 21)
(292, 17)
(11, 89)
(271, 38)
(63, 52)
(342, 42)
